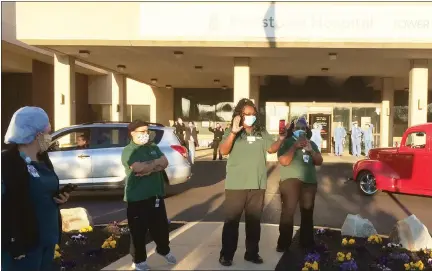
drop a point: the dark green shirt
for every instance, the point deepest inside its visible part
(246, 166)
(298, 168)
(144, 187)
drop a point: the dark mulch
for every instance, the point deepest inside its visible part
(89, 256)
(367, 256)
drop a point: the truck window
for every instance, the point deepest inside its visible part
(416, 140)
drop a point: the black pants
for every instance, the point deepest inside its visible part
(292, 192)
(215, 149)
(252, 202)
(143, 216)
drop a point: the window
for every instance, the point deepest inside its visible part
(110, 137)
(101, 112)
(72, 140)
(138, 112)
(416, 140)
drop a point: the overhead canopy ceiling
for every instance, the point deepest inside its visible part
(145, 63)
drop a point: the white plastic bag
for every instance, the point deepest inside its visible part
(411, 233)
(356, 226)
(74, 219)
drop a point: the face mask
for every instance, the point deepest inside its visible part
(44, 142)
(249, 120)
(299, 133)
(143, 138)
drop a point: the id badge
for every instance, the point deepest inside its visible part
(306, 158)
(31, 169)
(157, 203)
(250, 139)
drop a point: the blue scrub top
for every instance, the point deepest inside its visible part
(42, 189)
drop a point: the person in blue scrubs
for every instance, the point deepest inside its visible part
(356, 137)
(368, 138)
(316, 135)
(28, 136)
(339, 138)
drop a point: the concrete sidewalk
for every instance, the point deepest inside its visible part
(197, 245)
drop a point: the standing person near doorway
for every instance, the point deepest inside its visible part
(368, 138)
(298, 157)
(218, 134)
(316, 134)
(179, 131)
(339, 138)
(247, 143)
(191, 139)
(144, 191)
(356, 138)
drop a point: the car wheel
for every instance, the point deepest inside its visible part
(367, 183)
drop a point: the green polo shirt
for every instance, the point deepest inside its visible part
(144, 187)
(246, 166)
(298, 168)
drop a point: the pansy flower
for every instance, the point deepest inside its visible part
(109, 243)
(86, 229)
(346, 241)
(414, 266)
(375, 239)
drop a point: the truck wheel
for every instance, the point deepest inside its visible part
(367, 183)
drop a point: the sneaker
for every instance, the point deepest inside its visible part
(142, 266)
(171, 259)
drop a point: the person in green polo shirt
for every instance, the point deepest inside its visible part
(298, 157)
(144, 190)
(247, 143)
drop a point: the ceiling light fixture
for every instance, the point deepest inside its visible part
(324, 69)
(199, 68)
(216, 81)
(168, 86)
(154, 80)
(178, 54)
(121, 68)
(332, 56)
(84, 53)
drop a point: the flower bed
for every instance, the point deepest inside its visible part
(96, 248)
(334, 252)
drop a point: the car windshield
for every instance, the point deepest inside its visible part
(416, 140)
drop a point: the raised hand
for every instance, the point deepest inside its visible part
(236, 125)
(308, 147)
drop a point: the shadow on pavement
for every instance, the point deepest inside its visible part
(204, 174)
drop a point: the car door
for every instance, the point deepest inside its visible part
(72, 163)
(411, 159)
(107, 147)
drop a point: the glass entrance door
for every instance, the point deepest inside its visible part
(321, 131)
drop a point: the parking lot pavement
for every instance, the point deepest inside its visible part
(201, 199)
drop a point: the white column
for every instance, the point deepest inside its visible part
(241, 78)
(418, 92)
(64, 91)
(386, 129)
(118, 94)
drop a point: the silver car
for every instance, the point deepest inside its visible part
(89, 155)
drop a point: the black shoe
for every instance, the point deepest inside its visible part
(224, 261)
(214, 159)
(254, 259)
(280, 249)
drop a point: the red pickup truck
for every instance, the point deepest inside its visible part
(404, 169)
